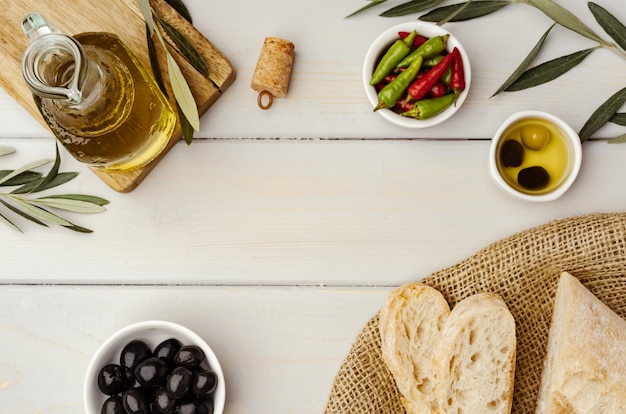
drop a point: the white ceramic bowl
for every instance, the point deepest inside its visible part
(152, 333)
(382, 43)
(572, 162)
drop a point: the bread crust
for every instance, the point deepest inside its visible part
(410, 325)
(475, 360)
(585, 366)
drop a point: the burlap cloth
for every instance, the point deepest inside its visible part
(523, 269)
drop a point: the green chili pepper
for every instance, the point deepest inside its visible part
(392, 92)
(427, 108)
(429, 63)
(432, 47)
(396, 52)
(446, 78)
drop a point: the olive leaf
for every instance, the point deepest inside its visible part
(39, 213)
(525, 63)
(39, 185)
(180, 7)
(37, 210)
(455, 13)
(52, 174)
(146, 11)
(27, 167)
(473, 10)
(566, 19)
(603, 114)
(619, 119)
(618, 140)
(8, 222)
(71, 204)
(23, 178)
(410, 7)
(186, 47)
(185, 126)
(180, 87)
(182, 93)
(548, 71)
(154, 62)
(6, 151)
(22, 214)
(369, 5)
(609, 23)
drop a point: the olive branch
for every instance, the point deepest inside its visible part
(158, 27)
(40, 210)
(526, 76)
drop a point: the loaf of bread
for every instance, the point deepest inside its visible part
(410, 325)
(475, 358)
(585, 367)
(449, 362)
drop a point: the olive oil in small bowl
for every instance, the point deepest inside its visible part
(535, 156)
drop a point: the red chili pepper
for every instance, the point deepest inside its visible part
(405, 104)
(417, 41)
(422, 86)
(439, 89)
(390, 78)
(457, 80)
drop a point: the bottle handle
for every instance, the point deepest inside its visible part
(48, 52)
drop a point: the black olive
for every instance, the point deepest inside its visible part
(163, 402)
(112, 379)
(113, 405)
(511, 153)
(189, 356)
(194, 406)
(208, 405)
(204, 383)
(133, 353)
(533, 178)
(151, 373)
(135, 402)
(178, 382)
(167, 349)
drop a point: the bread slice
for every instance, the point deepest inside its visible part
(410, 325)
(475, 359)
(585, 366)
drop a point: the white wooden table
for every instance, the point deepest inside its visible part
(278, 235)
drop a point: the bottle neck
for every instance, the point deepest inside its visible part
(56, 66)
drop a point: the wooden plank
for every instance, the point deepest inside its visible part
(267, 212)
(280, 348)
(123, 18)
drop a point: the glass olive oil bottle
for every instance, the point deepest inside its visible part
(99, 102)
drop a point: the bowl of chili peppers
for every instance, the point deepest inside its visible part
(416, 74)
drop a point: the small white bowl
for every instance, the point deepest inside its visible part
(382, 43)
(152, 333)
(573, 154)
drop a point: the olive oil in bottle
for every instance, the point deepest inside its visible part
(97, 99)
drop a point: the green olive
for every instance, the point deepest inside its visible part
(535, 137)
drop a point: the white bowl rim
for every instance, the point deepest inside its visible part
(386, 37)
(570, 135)
(90, 388)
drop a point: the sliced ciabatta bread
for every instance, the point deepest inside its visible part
(585, 367)
(410, 324)
(475, 358)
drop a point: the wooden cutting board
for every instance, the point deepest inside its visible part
(122, 18)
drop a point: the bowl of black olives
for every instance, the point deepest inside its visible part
(154, 367)
(535, 156)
